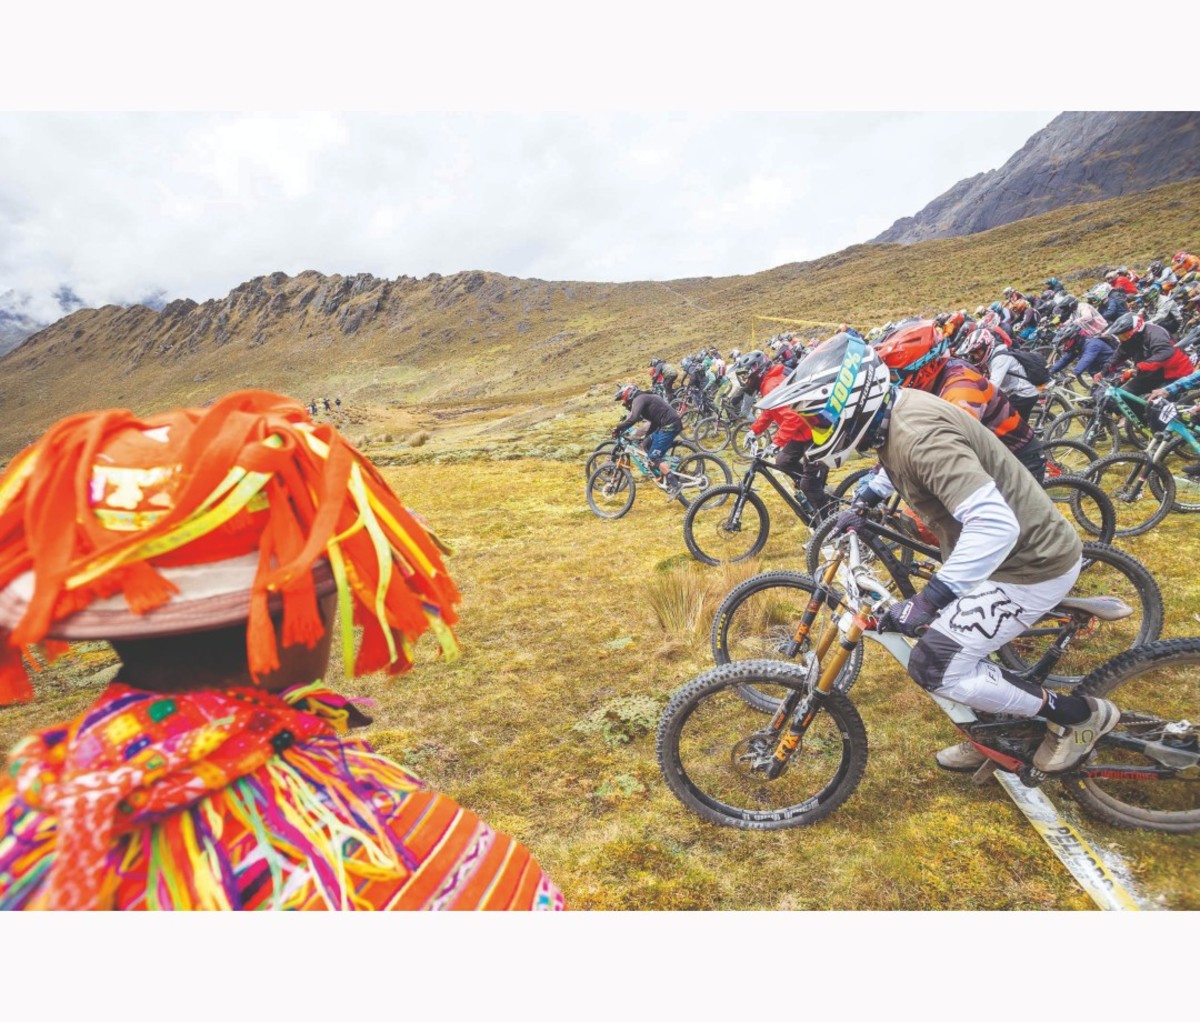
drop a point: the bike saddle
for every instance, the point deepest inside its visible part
(1106, 608)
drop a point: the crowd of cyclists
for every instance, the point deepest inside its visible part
(1141, 330)
(877, 393)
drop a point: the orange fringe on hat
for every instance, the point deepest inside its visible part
(212, 468)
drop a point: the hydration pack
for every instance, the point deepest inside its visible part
(1036, 370)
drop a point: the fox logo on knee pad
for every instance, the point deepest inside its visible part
(983, 612)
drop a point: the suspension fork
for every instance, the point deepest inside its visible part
(802, 712)
(739, 503)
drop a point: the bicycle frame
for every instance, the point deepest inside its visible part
(1159, 443)
(865, 597)
(627, 450)
(797, 502)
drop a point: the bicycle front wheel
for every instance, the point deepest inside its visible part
(610, 491)
(713, 750)
(1125, 479)
(1178, 453)
(758, 619)
(721, 529)
(600, 455)
(711, 434)
(1146, 773)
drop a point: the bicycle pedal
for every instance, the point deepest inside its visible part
(1031, 776)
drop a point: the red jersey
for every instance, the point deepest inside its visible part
(791, 425)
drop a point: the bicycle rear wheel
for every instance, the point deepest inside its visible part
(719, 531)
(1157, 687)
(610, 491)
(700, 472)
(1107, 571)
(713, 749)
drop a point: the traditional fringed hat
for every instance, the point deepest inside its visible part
(116, 527)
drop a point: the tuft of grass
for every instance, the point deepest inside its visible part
(683, 595)
(419, 438)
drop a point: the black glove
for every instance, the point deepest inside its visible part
(851, 518)
(914, 614)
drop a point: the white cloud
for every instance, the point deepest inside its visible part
(119, 205)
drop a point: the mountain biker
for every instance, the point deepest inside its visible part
(1158, 274)
(1010, 557)
(1120, 279)
(785, 352)
(1054, 284)
(666, 374)
(665, 426)
(738, 399)
(1184, 263)
(758, 376)
(1004, 371)
(1113, 302)
(993, 321)
(1155, 359)
(213, 772)
(920, 360)
(1092, 350)
(1024, 316)
(717, 370)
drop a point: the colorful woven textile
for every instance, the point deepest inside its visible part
(234, 799)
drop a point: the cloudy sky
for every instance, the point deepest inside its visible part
(119, 205)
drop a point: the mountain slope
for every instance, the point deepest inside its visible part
(1077, 157)
(407, 350)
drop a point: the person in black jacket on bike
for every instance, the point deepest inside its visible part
(665, 425)
(1156, 361)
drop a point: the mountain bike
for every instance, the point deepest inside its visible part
(794, 764)
(721, 530)
(680, 447)
(714, 432)
(1105, 571)
(611, 488)
(1100, 422)
(1143, 485)
(693, 403)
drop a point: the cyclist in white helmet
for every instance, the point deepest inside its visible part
(1009, 555)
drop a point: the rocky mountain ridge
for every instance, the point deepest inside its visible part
(1077, 157)
(423, 351)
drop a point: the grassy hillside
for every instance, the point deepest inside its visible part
(545, 724)
(398, 352)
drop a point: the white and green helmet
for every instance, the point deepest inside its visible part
(838, 389)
